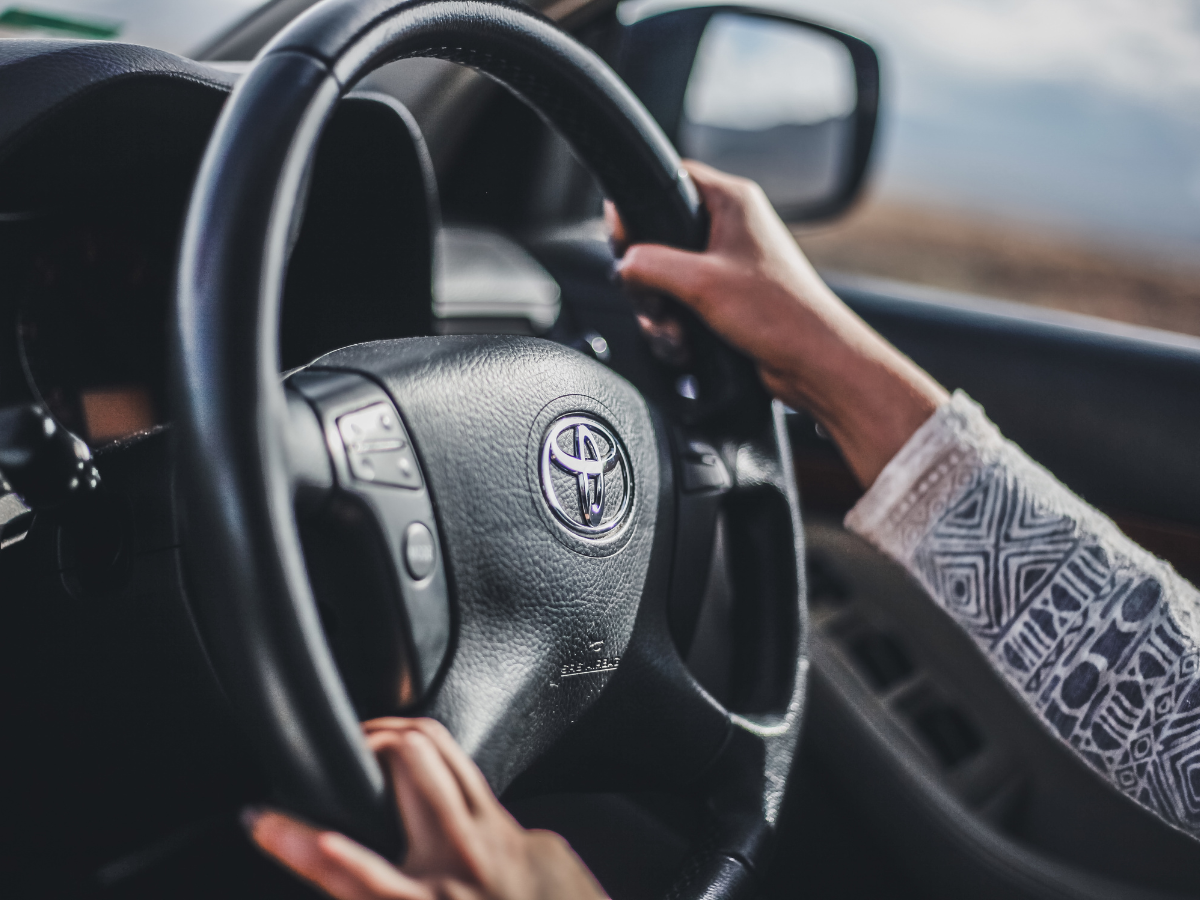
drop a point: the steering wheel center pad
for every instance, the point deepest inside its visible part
(544, 616)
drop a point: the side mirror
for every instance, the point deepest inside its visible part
(786, 102)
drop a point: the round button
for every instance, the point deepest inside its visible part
(419, 551)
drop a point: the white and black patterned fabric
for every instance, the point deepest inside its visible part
(1096, 635)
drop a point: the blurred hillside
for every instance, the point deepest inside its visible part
(995, 258)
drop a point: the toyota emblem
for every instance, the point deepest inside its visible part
(585, 475)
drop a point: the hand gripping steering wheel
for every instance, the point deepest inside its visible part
(533, 526)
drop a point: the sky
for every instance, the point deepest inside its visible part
(1077, 114)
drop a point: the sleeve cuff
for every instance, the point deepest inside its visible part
(939, 462)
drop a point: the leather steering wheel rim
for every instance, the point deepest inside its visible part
(245, 563)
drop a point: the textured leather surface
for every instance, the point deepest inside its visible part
(530, 598)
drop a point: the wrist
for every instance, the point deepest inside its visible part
(865, 393)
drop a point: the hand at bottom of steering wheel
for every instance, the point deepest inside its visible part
(462, 843)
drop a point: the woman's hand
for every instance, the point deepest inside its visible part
(462, 844)
(754, 287)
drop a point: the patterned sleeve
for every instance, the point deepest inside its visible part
(1096, 635)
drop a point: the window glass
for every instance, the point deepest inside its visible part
(1038, 150)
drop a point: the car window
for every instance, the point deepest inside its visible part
(178, 26)
(1038, 150)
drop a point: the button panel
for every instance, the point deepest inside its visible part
(375, 462)
(420, 552)
(703, 469)
(377, 448)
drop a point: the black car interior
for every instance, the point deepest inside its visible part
(161, 269)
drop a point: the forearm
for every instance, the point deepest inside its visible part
(1096, 635)
(865, 393)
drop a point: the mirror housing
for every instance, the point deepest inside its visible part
(808, 144)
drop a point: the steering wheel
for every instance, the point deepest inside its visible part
(532, 537)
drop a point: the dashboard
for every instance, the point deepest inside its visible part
(94, 184)
(90, 323)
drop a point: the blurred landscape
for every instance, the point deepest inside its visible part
(1010, 260)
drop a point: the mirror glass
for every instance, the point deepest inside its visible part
(773, 101)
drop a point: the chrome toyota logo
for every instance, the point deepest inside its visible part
(585, 475)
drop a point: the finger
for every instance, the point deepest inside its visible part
(565, 874)
(726, 197)
(616, 228)
(386, 724)
(380, 878)
(430, 798)
(709, 179)
(476, 791)
(339, 866)
(663, 269)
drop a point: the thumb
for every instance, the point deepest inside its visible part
(616, 228)
(663, 269)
